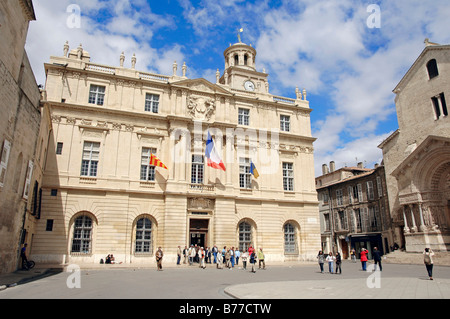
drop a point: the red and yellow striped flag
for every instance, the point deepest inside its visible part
(156, 162)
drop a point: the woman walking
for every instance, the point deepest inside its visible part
(321, 259)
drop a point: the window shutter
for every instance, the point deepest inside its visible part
(26, 188)
(4, 161)
(360, 195)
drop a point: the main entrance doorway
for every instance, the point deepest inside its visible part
(198, 232)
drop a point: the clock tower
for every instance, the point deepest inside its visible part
(240, 71)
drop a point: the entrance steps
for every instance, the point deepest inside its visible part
(403, 257)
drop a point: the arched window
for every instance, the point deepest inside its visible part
(290, 246)
(236, 60)
(432, 68)
(245, 236)
(143, 236)
(82, 235)
(245, 59)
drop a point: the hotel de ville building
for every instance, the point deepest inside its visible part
(102, 194)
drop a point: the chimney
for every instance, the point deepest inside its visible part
(324, 169)
(360, 165)
(332, 166)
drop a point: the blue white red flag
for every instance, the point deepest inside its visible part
(212, 157)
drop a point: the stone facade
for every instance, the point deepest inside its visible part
(417, 155)
(354, 210)
(100, 195)
(19, 131)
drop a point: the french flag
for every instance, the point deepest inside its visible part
(212, 157)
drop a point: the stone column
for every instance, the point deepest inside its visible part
(414, 227)
(422, 226)
(406, 228)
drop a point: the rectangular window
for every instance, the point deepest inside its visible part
(26, 188)
(96, 94)
(342, 220)
(370, 190)
(147, 170)
(339, 197)
(53, 192)
(350, 194)
(379, 187)
(325, 198)
(59, 147)
(49, 226)
(285, 123)
(244, 173)
(288, 176)
(439, 105)
(4, 160)
(89, 163)
(244, 117)
(151, 102)
(197, 169)
(360, 195)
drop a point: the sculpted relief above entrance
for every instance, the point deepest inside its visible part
(201, 108)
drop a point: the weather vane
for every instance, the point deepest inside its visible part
(239, 34)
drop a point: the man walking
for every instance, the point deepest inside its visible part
(261, 259)
(376, 258)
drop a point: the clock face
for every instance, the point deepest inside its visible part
(249, 86)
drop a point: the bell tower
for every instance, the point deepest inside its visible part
(240, 69)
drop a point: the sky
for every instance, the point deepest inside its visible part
(348, 54)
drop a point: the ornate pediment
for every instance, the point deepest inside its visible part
(201, 86)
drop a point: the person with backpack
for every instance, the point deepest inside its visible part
(253, 260)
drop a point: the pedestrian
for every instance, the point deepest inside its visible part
(428, 261)
(219, 264)
(214, 251)
(363, 257)
(185, 254)
(228, 259)
(244, 260)
(261, 259)
(338, 263)
(321, 259)
(201, 256)
(330, 259)
(224, 251)
(232, 257)
(208, 254)
(376, 258)
(253, 260)
(192, 254)
(159, 256)
(196, 259)
(237, 254)
(178, 255)
(23, 256)
(353, 255)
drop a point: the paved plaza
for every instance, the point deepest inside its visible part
(289, 281)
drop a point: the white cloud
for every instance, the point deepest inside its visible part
(106, 29)
(327, 47)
